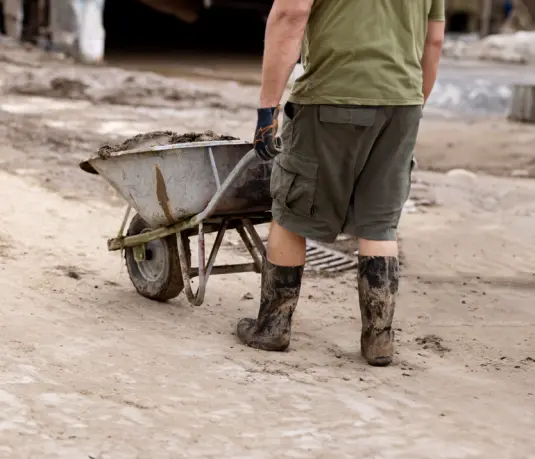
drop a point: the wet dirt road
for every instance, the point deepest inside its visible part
(90, 369)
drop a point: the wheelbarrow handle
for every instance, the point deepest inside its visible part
(249, 158)
(275, 148)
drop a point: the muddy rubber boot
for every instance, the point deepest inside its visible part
(280, 292)
(378, 281)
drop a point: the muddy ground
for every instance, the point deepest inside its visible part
(91, 370)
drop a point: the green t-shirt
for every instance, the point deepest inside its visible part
(365, 52)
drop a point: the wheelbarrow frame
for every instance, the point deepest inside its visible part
(201, 224)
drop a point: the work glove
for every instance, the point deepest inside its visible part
(266, 143)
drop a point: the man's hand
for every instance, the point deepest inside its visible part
(284, 35)
(266, 143)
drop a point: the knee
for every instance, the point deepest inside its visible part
(370, 248)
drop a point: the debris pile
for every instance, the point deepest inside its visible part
(517, 48)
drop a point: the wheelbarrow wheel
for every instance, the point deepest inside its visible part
(159, 275)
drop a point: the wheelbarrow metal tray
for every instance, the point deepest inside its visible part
(166, 184)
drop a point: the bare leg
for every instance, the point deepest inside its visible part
(369, 248)
(285, 248)
(378, 286)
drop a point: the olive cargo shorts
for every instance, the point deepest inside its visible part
(344, 170)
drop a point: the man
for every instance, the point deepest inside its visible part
(507, 8)
(77, 28)
(350, 127)
(23, 19)
(12, 11)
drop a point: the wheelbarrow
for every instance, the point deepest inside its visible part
(184, 190)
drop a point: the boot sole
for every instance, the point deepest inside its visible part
(380, 362)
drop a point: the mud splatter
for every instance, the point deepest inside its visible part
(163, 197)
(67, 87)
(72, 272)
(5, 246)
(159, 138)
(433, 343)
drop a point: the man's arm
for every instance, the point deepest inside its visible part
(431, 56)
(284, 36)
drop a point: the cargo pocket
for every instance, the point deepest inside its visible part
(293, 183)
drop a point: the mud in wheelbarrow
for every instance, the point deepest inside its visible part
(184, 190)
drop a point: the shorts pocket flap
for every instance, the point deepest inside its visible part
(298, 165)
(341, 115)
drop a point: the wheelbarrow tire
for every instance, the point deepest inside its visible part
(159, 277)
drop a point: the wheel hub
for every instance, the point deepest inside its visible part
(155, 263)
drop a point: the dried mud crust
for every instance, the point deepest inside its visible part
(113, 86)
(160, 138)
(433, 343)
(30, 71)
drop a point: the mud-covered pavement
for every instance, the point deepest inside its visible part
(91, 370)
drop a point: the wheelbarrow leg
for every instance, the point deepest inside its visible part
(250, 247)
(204, 269)
(254, 236)
(124, 222)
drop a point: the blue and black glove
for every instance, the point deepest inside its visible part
(266, 143)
